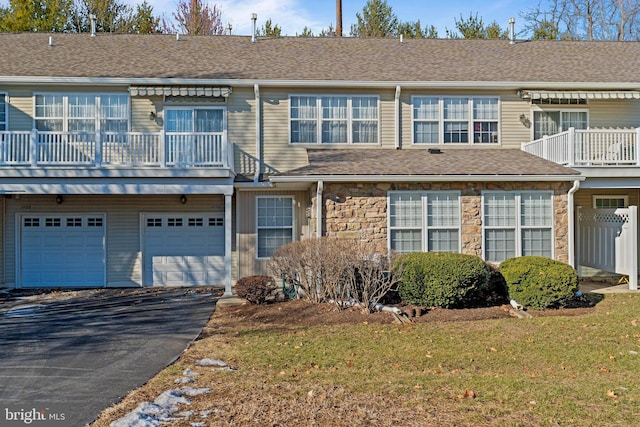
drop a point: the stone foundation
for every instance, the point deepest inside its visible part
(359, 210)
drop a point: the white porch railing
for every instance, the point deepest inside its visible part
(589, 147)
(171, 149)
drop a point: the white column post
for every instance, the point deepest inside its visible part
(636, 147)
(545, 147)
(162, 149)
(33, 148)
(633, 273)
(571, 150)
(98, 149)
(578, 241)
(227, 246)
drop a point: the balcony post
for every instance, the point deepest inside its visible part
(636, 148)
(545, 147)
(571, 151)
(162, 149)
(33, 147)
(98, 159)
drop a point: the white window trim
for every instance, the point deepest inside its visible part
(350, 121)
(518, 224)
(424, 227)
(65, 107)
(258, 228)
(612, 196)
(442, 121)
(553, 109)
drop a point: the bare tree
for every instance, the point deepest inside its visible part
(195, 18)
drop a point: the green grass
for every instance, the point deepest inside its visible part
(544, 371)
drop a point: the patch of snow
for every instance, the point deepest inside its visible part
(184, 380)
(198, 424)
(161, 410)
(211, 362)
(190, 373)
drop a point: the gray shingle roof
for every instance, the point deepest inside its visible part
(339, 59)
(458, 162)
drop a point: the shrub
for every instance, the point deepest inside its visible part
(539, 282)
(256, 289)
(439, 279)
(340, 270)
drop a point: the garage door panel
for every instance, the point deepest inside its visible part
(62, 251)
(183, 249)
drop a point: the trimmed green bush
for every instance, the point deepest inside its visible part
(539, 282)
(440, 279)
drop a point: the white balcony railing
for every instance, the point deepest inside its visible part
(589, 147)
(160, 149)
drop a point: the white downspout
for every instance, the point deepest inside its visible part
(571, 226)
(319, 190)
(397, 112)
(256, 92)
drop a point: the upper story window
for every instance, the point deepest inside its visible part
(455, 120)
(336, 119)
(81, 112)
(3, 111)
(550, 122)
(610, 202)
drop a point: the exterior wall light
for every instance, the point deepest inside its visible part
(183, 199)
(59, 199)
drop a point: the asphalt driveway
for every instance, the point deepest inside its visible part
(64, 357)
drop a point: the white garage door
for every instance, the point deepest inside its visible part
(183, 249)
(62, 250)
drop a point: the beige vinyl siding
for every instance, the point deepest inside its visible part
(614, 113)
(387, 119)
(241, 129)
(20, 110)
(584, 197)
(140, 109)
(246, 227)
(512, 131)
(122, 220)
(2, 240)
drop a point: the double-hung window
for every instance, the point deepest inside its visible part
(274, 223)
(424, 221)
(455, 120)
(81, 112)
(517, 224)
(338, 119)
(550, 122)
(3, 111)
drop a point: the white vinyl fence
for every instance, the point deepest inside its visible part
(607, 239)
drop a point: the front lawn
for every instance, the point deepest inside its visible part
(551, 370)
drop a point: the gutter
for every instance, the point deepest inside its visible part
(125, 81)
(423, 178)
(397, 112)
(256, 92)
(571, 226)
(319, 190)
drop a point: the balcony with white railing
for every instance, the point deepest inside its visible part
(589, 147)
(119, 149)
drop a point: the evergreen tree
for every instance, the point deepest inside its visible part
(36, 15)
(377, 20)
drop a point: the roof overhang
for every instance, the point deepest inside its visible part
(579, 94)
(145, 81)
(424, 178)
(209, 91)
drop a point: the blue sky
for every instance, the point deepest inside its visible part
(293, 15)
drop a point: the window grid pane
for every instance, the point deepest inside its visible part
(456, 108)
(442, 240)
(500, 210)
(275, 224)
(304, 119)
(500, 244)
(405, 210)
(404, 241)
(536, 210)
(456, 132)
(3, 111)
(537, 242)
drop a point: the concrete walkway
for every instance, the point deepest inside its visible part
(604, 286)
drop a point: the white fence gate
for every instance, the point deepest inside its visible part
(607, 239)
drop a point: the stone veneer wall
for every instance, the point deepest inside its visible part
(359, 210)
